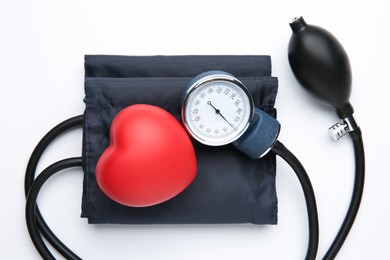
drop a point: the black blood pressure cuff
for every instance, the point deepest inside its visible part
(229, 186)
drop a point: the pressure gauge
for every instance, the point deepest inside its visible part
(217, 108)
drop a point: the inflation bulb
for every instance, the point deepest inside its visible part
(321, 66)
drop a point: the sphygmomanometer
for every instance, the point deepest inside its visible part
(193, 139)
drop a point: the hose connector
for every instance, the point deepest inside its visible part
(346, 125)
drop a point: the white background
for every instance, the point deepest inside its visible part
(42, 44)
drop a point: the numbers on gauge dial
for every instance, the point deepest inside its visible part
(217, 110)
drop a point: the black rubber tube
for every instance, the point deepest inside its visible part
(32, 202)
(30, 176)
(357, 194)
(308, 192)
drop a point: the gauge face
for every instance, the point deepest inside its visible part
(217, 110)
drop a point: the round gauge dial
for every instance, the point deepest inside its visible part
(217, 108)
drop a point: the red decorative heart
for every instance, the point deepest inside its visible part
(150, 158)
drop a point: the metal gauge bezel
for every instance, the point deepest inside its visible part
(210, 79)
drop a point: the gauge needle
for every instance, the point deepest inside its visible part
(219, 113)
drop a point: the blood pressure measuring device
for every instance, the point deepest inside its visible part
(217, 110)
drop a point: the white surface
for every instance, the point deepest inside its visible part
(41, 70)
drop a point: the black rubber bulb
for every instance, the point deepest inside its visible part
(321, 65)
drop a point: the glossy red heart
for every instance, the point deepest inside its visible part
(150, 158)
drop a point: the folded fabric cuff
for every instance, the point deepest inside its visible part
(229, 187)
